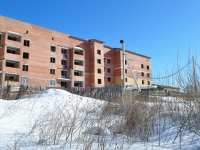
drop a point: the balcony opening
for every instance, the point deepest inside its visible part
(1, 64)
(63, 84)
(64, 74)
(78, 73)
(14, 36)
(52, 71)
(26, 43)
(26, 55)
(78, 62)
(25, 68)
(13, 50)
(99, 61)
(11, 77)
(64, 62)
(52, 60)
(99, 71)
(64, 52)
(99, 81)
(78, 83)
(53, 49)
(13, 64)
(78, 51)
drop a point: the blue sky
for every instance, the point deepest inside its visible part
(162, 29)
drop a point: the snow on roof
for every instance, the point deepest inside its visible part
(141, 87)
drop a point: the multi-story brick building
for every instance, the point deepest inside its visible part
(38, 56)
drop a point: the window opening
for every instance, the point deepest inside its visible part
(142, 66)
(52, 83)
(52, 60)
(52, 71)
(53, 49)
(142, 81)
(99, 52)
(25, 67)
(63, 62)
(24, 80)
(99, 81)
(108, 60)
(99, 61)
(26, 55)
(26, 43)
(99, 71)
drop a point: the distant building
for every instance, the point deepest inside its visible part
(166, 89)
(35, 55)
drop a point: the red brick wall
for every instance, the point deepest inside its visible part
(42, 39)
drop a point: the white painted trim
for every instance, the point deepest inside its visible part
(14, 33)
(78, 48)
(63, 79)
(13, 60)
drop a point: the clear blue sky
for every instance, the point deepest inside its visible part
(161, 29)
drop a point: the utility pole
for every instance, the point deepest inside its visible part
(123, 54)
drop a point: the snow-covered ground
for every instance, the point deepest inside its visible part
(56, 119)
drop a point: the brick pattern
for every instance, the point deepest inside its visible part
(39, 65)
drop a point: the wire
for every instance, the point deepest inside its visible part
(174, 72)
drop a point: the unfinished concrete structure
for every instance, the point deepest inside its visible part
(35, 56)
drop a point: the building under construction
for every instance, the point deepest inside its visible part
(38, 56)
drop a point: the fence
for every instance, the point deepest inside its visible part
(111, 93)
(11, 92)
